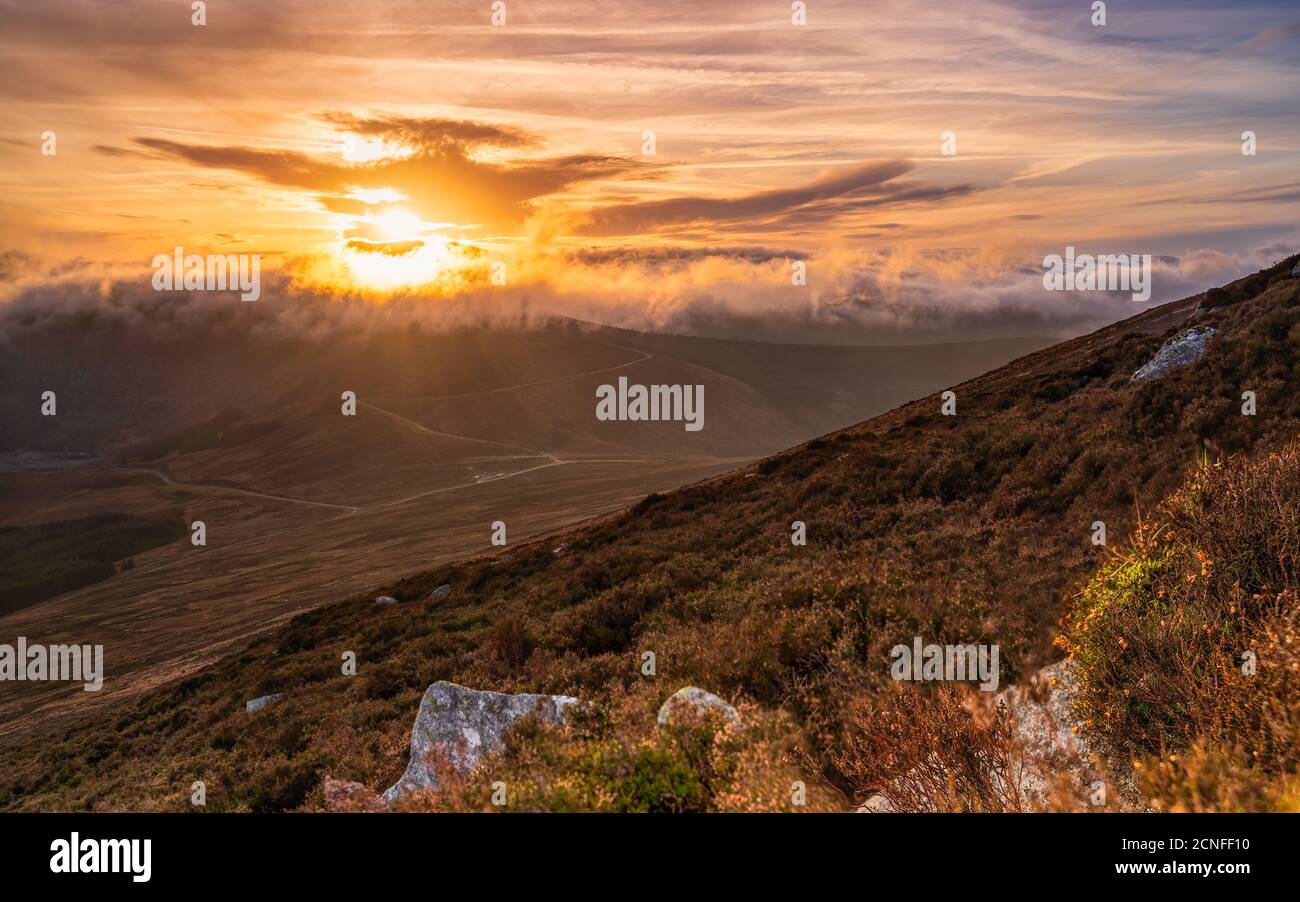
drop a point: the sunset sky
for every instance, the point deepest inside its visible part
(376, 145)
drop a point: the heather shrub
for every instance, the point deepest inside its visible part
(1208, 778)
(945, 750)
(1190, 639)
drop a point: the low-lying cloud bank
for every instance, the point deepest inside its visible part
(885, 297)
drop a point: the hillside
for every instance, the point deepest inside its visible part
(967, 528)
(238, 423)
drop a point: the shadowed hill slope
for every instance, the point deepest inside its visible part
(251, 392)
(967, 528)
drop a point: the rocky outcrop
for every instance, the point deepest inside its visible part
(385, 599)
(441, 592)
(465, 724)
(693, 702)
(261, 702)
(1178, 351)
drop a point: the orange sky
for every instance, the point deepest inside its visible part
(416, 137)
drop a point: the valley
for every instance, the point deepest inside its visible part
(303, 506)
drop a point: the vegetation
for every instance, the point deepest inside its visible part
(613, 758)
(224, 430)
(973, 528)
(949, 750)
(40, 562)
(1189, 642)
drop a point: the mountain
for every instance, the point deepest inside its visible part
(968, 528)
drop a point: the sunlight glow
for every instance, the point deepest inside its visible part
(375, 269)
(377, 195)
(400, 225)
(360, 149)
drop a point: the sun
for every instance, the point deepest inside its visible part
(399, 225)
(389, 247)
(401, 250)
(381, 270)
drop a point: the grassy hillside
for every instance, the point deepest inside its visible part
(241, 426)
(966, 528)
(39, 562)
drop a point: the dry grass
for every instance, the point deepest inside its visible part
(942, 751)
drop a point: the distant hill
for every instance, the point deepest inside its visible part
(144, 393)
(39, 562)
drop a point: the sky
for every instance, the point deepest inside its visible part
(656, 165)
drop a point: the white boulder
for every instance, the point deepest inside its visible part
(466, 724)
(1177, 352)
(691, 701)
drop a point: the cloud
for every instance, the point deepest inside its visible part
(430, 134)
(286, 168)
(437, 164)
(442, 179)
(387, 248)
(669, 255)
(834, 193)
(127, 152)
(873, 297)
(1207, 265)
(775, 143)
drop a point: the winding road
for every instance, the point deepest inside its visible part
(553, 460)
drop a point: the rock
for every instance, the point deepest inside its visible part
(1047, 730)
(877, 804)
(1295, 270)
(1177, 352)
(1056, 746)
(262, 701)
(466, 724)
(385, 599)
(560, 549)
(441, 591)
(345, 795)
(694, 702)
